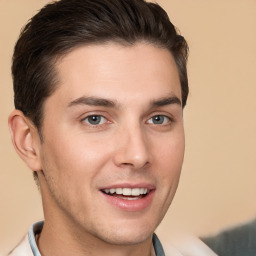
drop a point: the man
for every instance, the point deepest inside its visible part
(100, 88)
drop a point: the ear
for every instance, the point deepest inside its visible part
(25, 139)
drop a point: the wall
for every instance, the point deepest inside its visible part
(218, 183)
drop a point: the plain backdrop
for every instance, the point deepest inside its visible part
(218, 182)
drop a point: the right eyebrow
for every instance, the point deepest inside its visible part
(93, 101)
(166, 101)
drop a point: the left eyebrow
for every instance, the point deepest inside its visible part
(166, 101)
(93, 101)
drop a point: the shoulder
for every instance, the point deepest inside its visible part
(22, 249)
(186, 245)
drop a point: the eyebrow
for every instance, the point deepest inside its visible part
(95, 101)
(92, 101)
(166, 101)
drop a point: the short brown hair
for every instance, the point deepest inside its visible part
(63, 25)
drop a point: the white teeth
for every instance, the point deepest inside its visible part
(135, 192)
(112, 191)
(127, 191)
(119, 191)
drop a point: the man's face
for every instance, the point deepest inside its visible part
(113, 141)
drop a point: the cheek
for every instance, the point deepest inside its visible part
(70, 168)
(73, 158)
(169, 159)
(169, 155)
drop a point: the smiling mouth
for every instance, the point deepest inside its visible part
(127, 193)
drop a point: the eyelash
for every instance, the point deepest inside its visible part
(96, 124)
(167, 120)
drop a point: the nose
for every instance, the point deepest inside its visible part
(132, 149)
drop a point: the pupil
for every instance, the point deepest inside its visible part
(158, 119)
(94, 119)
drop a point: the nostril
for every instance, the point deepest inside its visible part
(136, 165)
(127, 164)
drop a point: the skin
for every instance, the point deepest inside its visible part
(77, 158)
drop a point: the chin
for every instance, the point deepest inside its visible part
(129, 238)
(128, 234)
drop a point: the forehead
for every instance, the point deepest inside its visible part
(114, 70)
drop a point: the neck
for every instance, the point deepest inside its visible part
(55, 240)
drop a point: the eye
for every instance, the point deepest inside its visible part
(159, 119)
(95, 119)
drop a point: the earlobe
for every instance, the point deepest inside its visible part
(24, 138)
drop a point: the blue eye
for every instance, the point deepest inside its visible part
(159, 119)
(95, 120)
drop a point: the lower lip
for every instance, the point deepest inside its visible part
(130, 205)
